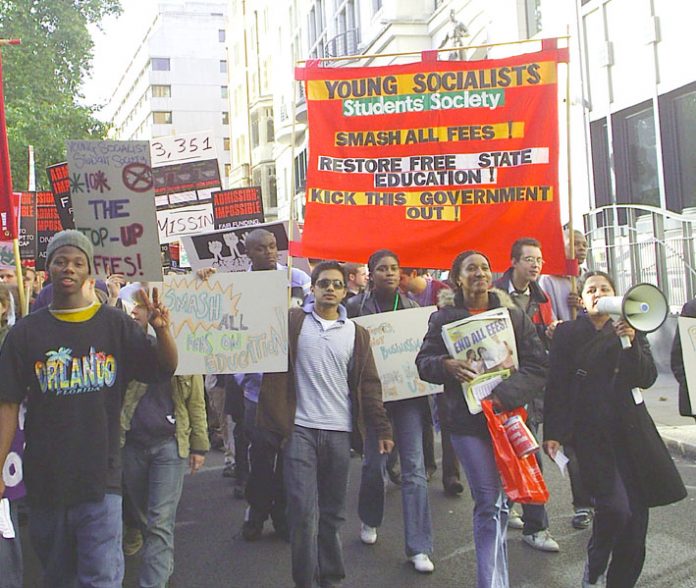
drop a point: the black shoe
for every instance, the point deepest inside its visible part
(453, 487)
(252, 531)
(582, 518)
(228, 471)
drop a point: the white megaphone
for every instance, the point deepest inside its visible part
(644, 307)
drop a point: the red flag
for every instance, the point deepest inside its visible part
(8, 219)
(432, 158)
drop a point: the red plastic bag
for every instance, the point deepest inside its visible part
(522, 479)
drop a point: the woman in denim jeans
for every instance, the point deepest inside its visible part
(407, 418)
(472, 278)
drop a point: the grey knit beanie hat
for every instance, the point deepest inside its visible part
(74, 239)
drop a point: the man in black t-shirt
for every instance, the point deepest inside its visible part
(72, 362)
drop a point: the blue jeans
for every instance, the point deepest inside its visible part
(79, 544)
(154, 477)
(11, 567)
(407, 419)
(490, 509)
(316, 481)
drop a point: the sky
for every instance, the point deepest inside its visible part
(110, 60)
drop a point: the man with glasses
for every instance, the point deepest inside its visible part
(320, 408)
(520, 283)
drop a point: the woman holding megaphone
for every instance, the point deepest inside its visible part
(590, 404)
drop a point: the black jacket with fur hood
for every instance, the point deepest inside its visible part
(519, 389)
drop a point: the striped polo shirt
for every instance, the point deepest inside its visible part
(324, 352)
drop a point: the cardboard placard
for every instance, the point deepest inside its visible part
(687, 334)
(59, 178)
(396, 338)
(114, 205)
(225, 250)
(27, 226)
(229, 323)
(238, 207)
(47, 224)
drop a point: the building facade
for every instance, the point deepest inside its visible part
(631, 113)
(253, 47)
(177, 79)
(640, 106)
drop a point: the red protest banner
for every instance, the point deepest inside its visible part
(433, 158)
(8, 218)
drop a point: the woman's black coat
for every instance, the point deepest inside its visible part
(589, 405)
(685, 408)
(519, 389)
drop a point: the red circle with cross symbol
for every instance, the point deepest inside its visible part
(137, 177)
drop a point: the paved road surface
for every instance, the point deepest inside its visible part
(210, 553)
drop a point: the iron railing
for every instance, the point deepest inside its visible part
(644, 244)
(343, 44)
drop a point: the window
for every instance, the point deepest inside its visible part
(255, 129)
(347, 35)
(160, 64)
(225, 118)
(228, 170)
(316, 21)
(223, 66)
(272, 188)
(224, 92)
(532, 11)
(160, 91)
(162, 117)
(635, 156)
(221, 35)
(301, 171)
(599, 139)
(678, 122)
(270, 129)
(226, 143)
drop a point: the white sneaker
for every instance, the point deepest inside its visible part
(368, 535)
(515, 520)
(542, 541)
(422, 563)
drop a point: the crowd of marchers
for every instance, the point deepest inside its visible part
(97, 433)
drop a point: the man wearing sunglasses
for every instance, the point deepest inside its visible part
(330, 393)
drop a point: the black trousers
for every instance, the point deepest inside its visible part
(234, 406)
(264, 492)
(581, 497)
(620, 527)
